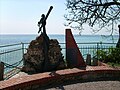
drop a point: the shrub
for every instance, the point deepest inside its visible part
(111, 55)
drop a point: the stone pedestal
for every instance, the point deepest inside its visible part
(41, 57)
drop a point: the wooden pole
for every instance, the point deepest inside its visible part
(1, 71)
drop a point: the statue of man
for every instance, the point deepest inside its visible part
(42, 22)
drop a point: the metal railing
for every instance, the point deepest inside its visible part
(12, 55)
(92, 48)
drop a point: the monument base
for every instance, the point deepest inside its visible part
(36, 61)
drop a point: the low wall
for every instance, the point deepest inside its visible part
(36, 81)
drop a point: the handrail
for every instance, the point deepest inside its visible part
(59, 43)
(10, 45)
(95, 43)
(10, 51)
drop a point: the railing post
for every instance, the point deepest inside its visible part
(22, 48)
(97, 50)
(118, 43)
(95, 60)
(88, 59)
(1, 71)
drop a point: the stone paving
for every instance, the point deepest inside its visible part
(98, 85)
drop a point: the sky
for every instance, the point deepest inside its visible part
(22, 16)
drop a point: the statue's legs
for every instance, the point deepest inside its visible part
(46, 61)
(45, 36)
(46, 48)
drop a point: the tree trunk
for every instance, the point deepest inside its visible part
(118, 43)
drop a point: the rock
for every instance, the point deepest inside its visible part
(36, 60)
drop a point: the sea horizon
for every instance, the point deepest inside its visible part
(27, 38)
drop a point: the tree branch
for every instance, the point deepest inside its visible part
(93, 12)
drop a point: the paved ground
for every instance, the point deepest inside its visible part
(97, 85)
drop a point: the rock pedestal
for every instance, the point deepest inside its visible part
(41, 57)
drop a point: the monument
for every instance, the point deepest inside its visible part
(74, 57)
(43, 54)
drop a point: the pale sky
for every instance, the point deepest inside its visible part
(21, 16)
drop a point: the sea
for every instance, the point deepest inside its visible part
(14, 58)
(15, 38)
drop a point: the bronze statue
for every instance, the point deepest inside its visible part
(41, 24)
(43, 20)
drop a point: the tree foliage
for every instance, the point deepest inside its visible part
(100, 13)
